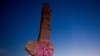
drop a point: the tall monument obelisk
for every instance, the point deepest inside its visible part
(43, 46)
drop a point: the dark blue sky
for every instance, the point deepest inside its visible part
(75, 26)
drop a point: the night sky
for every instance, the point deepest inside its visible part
(75, 26)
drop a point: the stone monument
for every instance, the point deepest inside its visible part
(43, 46)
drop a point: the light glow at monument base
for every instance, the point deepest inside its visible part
(77, 53)
(77, 43)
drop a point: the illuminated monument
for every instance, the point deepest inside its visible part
(43, 46)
